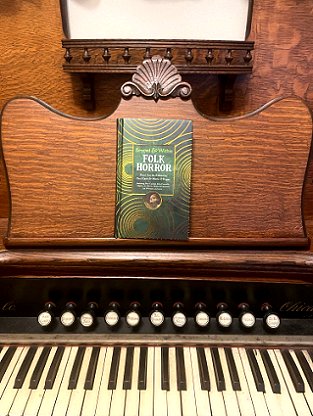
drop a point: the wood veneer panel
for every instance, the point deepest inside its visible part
(262, 265)
(247, 175)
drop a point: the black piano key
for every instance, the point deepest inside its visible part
(52, 373)
(234, 377)
(39, 368)
(180, 369)
(76, 368)
(142, 373)
(305, 368)
(293, 371)
(311, 354)
(92, 368)
(114, 368)
(165, 375)
(218, 371)
(203, 370)
(270, 371)
(258, 379)
(6, 359)
(127, 382)
(20, 378)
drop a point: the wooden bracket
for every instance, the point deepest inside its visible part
(89, 98)
(226, 92)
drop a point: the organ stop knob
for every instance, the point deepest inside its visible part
(133, 316)
(246, 317)
(202, 318)
(223, 316)
(271, 319)
(68, 316)
(112, 315)
(179, 318)
(88, 318)
(157, 315)
(46, 316)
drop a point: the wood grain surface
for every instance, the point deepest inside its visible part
(31, 63)
(247, 173)
(232, 265)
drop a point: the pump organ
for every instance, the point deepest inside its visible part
(220, 324)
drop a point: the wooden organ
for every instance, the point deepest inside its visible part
(220, 324)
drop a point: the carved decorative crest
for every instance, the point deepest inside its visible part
(158, 78)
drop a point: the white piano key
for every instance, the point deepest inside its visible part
(50, 396)
(308, 392)
(23, 394)
(118, 394)
(146, 396)
(173, 395)
(243, 395)
(257, 397)
(64, 394)
(284, 397)
(273, 401)
(160, 397)
(201, 396)
(308, 358)
(10, 392)
(10, 368)
(78, 394)
(37, 394)
(2, 353)
(230, 397)
(91, 396)
(188, 400)
(298, 399)
(105, 395)
(133, 395)
(216, 397)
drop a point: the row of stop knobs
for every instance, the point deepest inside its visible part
(133, 317)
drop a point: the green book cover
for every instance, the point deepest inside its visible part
(153, 178)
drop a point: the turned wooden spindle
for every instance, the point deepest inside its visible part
(229, 57)
(209, 56)
(168, 54)
(147, 54)
(86, 55)
(189, 56)
(247, 58)
(126, 55)
(106, 55)
(67, 56)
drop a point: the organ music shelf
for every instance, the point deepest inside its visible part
(226, 59)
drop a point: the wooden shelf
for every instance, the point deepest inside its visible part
(226, 59)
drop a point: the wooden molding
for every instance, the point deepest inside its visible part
(156, 78)
(226, 58)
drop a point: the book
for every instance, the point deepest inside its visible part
(154, 158)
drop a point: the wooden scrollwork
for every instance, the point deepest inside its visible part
(156, 78)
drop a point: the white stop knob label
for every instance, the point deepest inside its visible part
(133, 318)
(179, 319)
(157, 318)
(225, 319)
(111, 318)
(67, 318)
(44, 318)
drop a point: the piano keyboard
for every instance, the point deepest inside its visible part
(155, 380)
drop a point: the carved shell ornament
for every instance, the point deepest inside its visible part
(157, 78)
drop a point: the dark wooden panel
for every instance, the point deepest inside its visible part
(247, 173)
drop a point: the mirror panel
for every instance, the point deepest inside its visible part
(157, 19)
